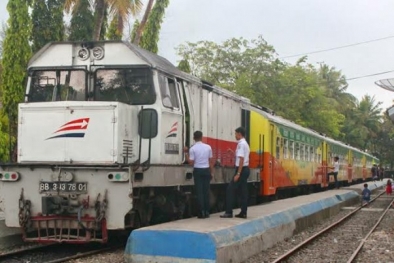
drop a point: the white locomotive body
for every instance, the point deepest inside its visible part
(100, 142)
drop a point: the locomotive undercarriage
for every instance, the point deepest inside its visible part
(139, 199)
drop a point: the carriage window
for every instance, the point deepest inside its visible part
(302, 152)
(127, 85)
(297, 151)
(277, 148)
(285, 149)
(291, 149)
(169, 94)
(57, 85)
(307, 158)
(311, 154)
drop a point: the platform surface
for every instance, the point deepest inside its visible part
(214, 239)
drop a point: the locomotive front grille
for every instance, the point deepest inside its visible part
(66, 229)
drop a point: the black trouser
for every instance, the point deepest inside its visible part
(242, 185)
(335, 174)
(202, 177)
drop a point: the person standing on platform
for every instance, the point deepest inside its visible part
(240, 179)
(200, 157)
(374, 172)
(335, 171)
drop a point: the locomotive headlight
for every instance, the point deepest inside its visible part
(83, 53)
(9, 176)
(98, 53)
(118, 177)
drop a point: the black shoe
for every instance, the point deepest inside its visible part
(240, 215)
(226, 215)
(201, 215)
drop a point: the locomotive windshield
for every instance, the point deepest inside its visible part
(57, 85)
(128, 85)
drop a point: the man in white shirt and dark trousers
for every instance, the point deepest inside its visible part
(335, 172)
(240, 179)
(201, 159)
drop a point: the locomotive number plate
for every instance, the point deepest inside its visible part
(80, 187)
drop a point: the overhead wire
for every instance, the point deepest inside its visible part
(370, 75)
(339, 47)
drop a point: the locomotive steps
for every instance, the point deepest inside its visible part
(234, 240)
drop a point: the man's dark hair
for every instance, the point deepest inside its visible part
(365, 185)
(241, 130)
(197, 135)
(336, 158)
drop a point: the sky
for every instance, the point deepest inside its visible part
(292, 27)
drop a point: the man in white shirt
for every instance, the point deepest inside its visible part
(240, 179)
(201, 159)
(335, 171)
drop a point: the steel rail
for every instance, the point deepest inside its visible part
(358, 249)
(21, 251)
(84, 254)
(310, 239)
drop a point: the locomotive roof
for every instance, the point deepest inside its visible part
(153, 60)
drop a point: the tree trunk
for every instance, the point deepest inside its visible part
(140, 29)
(99, 13)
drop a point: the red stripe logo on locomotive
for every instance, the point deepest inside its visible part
(72, 129)
(173, 130)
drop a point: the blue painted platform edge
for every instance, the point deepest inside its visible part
(203, 246)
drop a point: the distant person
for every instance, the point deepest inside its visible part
(335, 172)
(389, 188)
(201, 159)
(366, 194)
(374, 172)
(240, 179)
(381, 173)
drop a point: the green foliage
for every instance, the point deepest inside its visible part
(16, 53)
(134, 31)
(113, 30)
(82, 22)
(150, 36)
(184, 66)
(47, 23)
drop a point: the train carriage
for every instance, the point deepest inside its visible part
(100, 139)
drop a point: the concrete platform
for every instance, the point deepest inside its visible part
(221, 240)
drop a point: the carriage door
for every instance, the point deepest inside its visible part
(272, 154)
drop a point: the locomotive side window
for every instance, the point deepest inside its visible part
(169, 92)
(127, 85)
(277, 148)
(57, 85)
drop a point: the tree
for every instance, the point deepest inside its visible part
(150, 36)
(113, 30)
(47, 23)
(140, 26)
(184, 66)
(363, 123)
(81, 25)
(16, 53)
(121, 8)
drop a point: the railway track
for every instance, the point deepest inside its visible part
(56, 253)
(343, 240)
